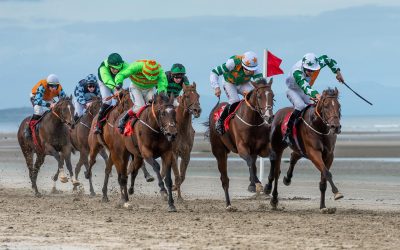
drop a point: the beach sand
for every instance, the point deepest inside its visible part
(368, 217)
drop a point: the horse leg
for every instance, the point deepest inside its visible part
(34, 173)
(167, 163)
(78, 168)
(94, 150)
(275, 159)
(222, 156)
(268, 186)
(133, 178)
(177, 174)
(66, 152)
(294, 157)
(147, 175)
(121, 161)
(316, 158)
(250, 161)
(28, 155)
(107, 171)
(156, 168)
(60, 159)
(185, 159)
(328, 164)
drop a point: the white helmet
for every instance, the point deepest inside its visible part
(310, 62)
(52, 78)
(249, 61)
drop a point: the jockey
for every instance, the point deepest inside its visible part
(107, 72)
(176, 77)
(84, 91)
(42, 99)
(300, 81)
(237, 72)
(145, 75)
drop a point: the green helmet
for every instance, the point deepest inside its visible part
(115, 60)
(178, 68)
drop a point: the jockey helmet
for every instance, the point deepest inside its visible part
(249, 61)
(310, 62)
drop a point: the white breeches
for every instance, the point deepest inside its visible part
(232, 91)
(140, 96)
(298, 98)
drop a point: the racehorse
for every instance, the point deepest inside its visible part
(50, 138)
(248, 133)
(153, 135)
(79, 138)
(317, 129)
(189, 105)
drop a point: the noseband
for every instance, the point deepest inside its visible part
(322, 117)
(61, 117)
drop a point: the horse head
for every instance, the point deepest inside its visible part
(124, 101)
(191, 100)
(165, 114)
(328, 109)
(64, 110)
(95, 105)
(261, 99)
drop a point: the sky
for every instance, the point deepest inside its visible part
(71, 38)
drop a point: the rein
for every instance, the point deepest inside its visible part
(61, 118)
(256, 109)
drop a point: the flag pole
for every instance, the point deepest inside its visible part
(261, 176)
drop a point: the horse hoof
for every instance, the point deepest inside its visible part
(267, 190)
(87, 175)
(180, 200)
(63, 179)
(251, 189)
(259, 188)
(325, 210)
(76, 183)
(164, 195)
(274, 204)
(38, 195)
(55, 191)
(131, 191)
(105, 199)
(171, 208)
(230, 208)
(149, 178)
(92, 194)
(286, 181)
(338, 196)
(127, 205)
(174, 188)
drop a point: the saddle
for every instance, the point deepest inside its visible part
(36, 127)
(129, 129)
(295, 137)
(218, 112)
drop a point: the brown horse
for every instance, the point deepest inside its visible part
(154, 133)
(189, 105)
(53, 139)
(318, 129)
(79, 139)
(248, 134)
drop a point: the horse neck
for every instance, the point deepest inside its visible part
(183, 117)
(248, 114)
(315, 121)
(54, 121)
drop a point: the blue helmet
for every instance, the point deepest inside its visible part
(91, 79)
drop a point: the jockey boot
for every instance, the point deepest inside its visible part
(31, 126)
(290, 124)
(101, 118)
(122, 122)
(219, 125)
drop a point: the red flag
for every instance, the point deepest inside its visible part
(273, 64)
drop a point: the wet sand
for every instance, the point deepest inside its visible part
(368, 217)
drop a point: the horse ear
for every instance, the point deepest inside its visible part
(70, 97)
(270, 81)
(171, 97)
(336, 91)
(194, 85)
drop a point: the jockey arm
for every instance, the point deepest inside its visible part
(107, 77)
(303, 84)
(132, 69)
(324, 60)
(220, 70)
(38, 99)
(162, 83)
(62, 93)
(80, 94)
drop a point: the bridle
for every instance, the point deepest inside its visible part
(157, 119)
(189, 108)
(322, 117)
(257, 108)
(61, 117)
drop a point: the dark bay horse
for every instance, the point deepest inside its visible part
(53, 139)
(248, 134)
(79, 138)
(189, 105)
(318, 129)
(154, 133)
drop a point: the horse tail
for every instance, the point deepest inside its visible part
(208, 123)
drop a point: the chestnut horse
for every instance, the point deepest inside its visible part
(248, 134)
(318, 128)
(154, 134)
(189, 105)
(53, 139)
(79, 139)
